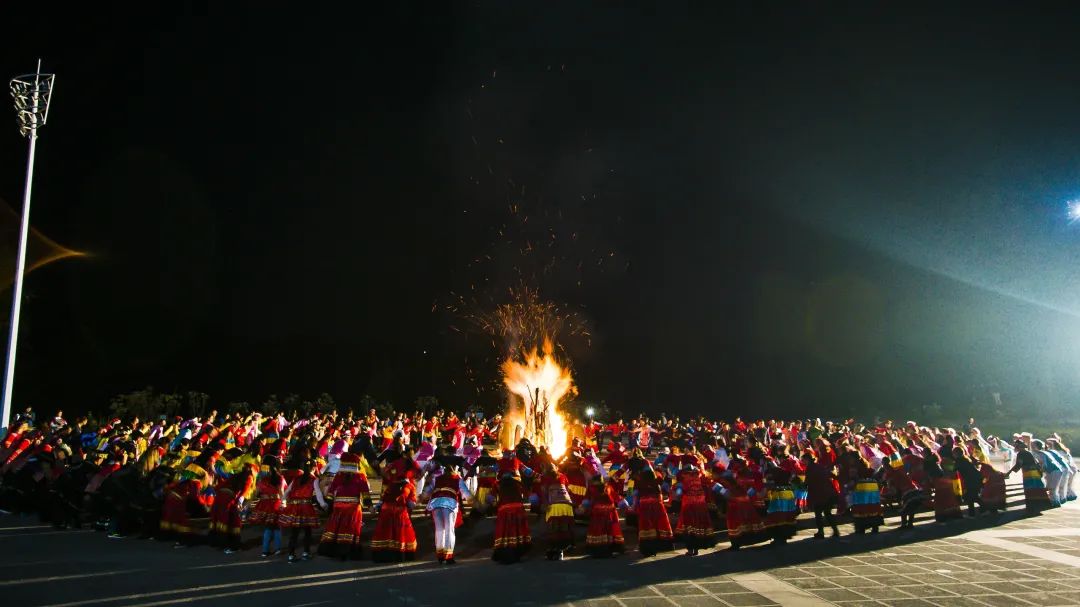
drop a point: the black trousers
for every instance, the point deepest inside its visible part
(294, 534)
(824, 511)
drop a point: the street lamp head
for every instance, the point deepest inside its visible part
(590, 412)
(32, 93)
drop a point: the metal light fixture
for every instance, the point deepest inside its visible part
(32, 93)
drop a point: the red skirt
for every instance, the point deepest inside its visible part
(344, 525)
(992, 495)
(654, 526)
(394, 539)
(560, 532)
(695, 526)
(174, 513)
(225, 514)
(604, 536)
(265, 512)
(947, 492)
(512, 535)
(744, 524)
(302, 514)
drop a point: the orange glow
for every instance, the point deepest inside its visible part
(538, 385)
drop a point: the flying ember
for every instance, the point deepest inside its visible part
(537, 385)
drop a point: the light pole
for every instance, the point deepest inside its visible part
(31, 93)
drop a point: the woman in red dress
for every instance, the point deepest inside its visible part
(744, 523)
(394, 539)
(992, 495)
(947, 489)
(269, 489)
(226, 522)
(557, 505)
(654, 526)
(299, 512)
(350, 494)
(185, 497)
(604, 537)
(512, 536)
(694, 525)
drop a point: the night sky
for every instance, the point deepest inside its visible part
(758, 210)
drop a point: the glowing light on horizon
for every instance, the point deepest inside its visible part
(1072, 210)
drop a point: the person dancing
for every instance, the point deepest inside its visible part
(444, 501)
(694, 524)
(557, 506)
(299, 513)
(394, 540)
(604, 537)
(654, 526)
(1036, 498)
(350, 494)
(512, 536)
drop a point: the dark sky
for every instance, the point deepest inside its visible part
(759, 209)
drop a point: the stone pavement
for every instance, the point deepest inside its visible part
(1005, 560)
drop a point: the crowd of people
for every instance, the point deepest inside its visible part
(305, 479)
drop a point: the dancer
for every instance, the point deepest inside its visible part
(350, 494)
(911, 497)
(695, 525)
(185, 496)
(744, 523)
(512, 536)
(971, 478)
(269, 490)
(444, 501)
(557, 506)
(604, 537)
(394, 539)
(299, 513)
(781, 509)
(1054, 473)
(654, 526)
(947, 489)
(230, 500)
(992, 495)
(865, 496)
(1036, 498)
(823, 491)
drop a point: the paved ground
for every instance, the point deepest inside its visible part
(1007, 560)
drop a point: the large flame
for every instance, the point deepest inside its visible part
(540, 384)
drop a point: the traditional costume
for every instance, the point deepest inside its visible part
(654, 526)
(781, 508)
(1036, 498)
(992, 495)
(183, 498)
(866, 506)
(446, 496)
(350, 494)
(744, 524)
(910, 496)
(948, 490)
(694, 526)
(604, 537)
(226, 522)
(512, 536)
(557, 505)
(299, 513)
(394, 539)
(486, 471)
